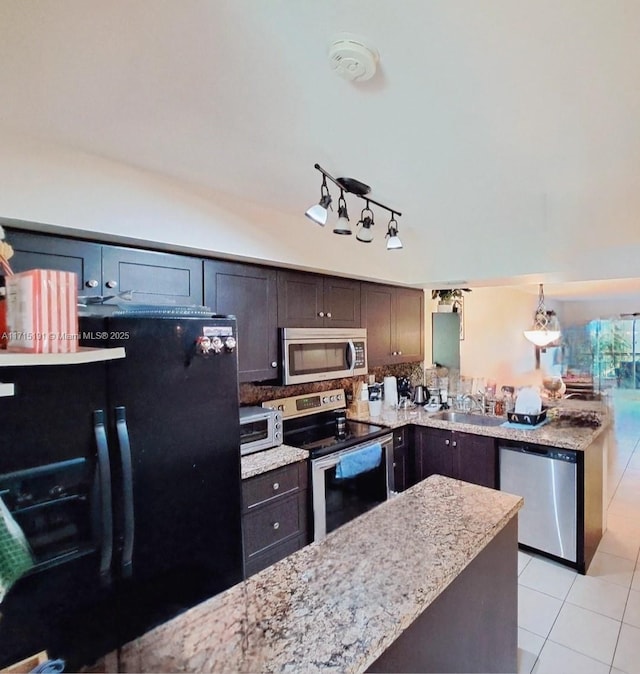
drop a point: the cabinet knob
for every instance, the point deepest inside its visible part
(328, 314)
(91, 283)
(399, 353)
(321, 314)
(276, 525)
(454, 444)
(111, 284)
(394, 353)
(276, 486)
(446, 442)
(274, 364)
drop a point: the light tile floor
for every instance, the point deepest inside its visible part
(591, 624)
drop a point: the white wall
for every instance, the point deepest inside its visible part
(92, 196)
(494, 346)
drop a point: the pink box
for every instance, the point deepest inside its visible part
(42, 311)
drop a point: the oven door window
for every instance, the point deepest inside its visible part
(314, 358)
(254, 431)
(347, 498)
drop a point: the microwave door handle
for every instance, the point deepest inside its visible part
(104, 477)
(351, 358)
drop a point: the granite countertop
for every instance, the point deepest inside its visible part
(558, 433)
(270, 459)
(338, 604)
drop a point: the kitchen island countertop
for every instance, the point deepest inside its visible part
(338, 604)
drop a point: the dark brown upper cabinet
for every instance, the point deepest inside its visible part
(41, 251)
(314, 301)
(103, 270)
(248, 292)
(153, 277)
(394, 319)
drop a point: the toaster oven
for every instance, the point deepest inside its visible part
(260, 428)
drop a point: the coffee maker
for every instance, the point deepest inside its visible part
(404, 391)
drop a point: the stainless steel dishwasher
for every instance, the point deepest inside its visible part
(547, 479)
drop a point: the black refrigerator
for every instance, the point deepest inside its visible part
(124, 476)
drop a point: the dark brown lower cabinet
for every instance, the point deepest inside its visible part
(274, 516)
(465, 456)
(402, 464)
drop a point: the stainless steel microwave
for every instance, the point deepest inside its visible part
(318, 354)
(260, 428)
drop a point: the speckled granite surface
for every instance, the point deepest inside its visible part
(336, 605)
(555, 433)
(269, 459)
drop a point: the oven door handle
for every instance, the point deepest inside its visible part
(351, 357)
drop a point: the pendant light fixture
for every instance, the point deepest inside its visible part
(545, 328)
(319, 212)
(394, 242)
(343, 226)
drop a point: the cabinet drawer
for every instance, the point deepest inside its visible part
(279, 482)
(274, 554)
(272, 524)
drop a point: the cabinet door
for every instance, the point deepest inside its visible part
(477, 459)
(155, 278)
(300, 300)
(434, 453)
(341, 303)
(377, 303)
(249, 293)
(40, 251)
(409, 325)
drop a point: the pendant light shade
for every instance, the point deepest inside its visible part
(545, 328)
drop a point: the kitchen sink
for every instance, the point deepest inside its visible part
(468, 418)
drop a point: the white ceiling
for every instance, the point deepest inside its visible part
(506, 131)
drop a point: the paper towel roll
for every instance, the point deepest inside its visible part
(390, 392)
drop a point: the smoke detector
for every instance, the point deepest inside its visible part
(352, 59)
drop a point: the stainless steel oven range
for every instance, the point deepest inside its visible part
(351, 462)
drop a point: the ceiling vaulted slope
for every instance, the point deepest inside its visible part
(506, 131)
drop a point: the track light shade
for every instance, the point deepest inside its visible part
(343, 226)
(365, 233)
(319, 212)
(393, 242)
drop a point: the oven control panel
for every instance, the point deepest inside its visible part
(309, 403)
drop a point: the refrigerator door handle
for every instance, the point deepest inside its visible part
(104, 475)
(127, 491)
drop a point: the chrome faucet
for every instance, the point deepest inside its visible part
(479, 400)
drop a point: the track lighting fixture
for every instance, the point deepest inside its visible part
(365, 233)
(394, 242)
(545, 328)
(319, 212)
(343, 226)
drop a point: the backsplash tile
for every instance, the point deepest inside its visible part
(255, 394)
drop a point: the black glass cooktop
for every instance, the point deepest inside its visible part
(323, 438)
